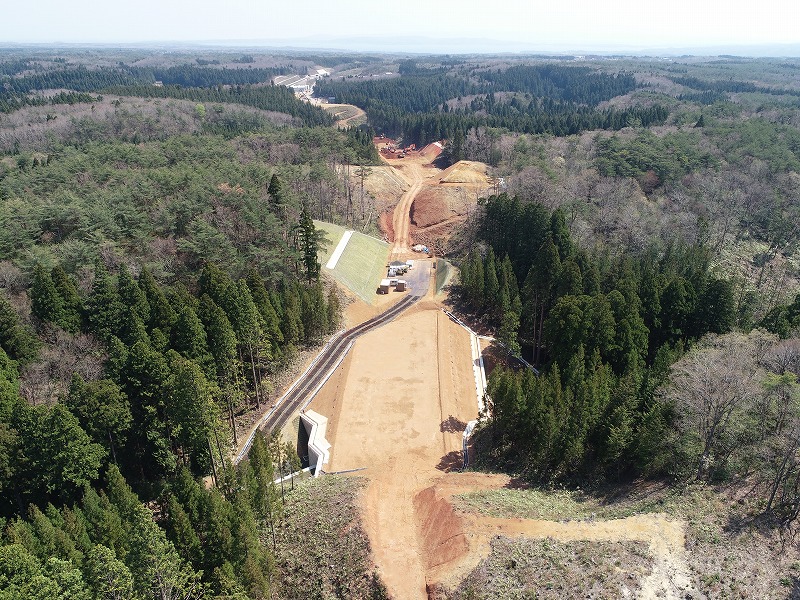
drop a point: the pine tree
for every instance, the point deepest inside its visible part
(108, 577)
(491, 287)
(144, 381)
(46, 303)
(274, 188)
(248, 327)
(292, 323)
(189, 339)
(222, 344)
(263, 494)
(17, 340)
(313, 312)
(181, 532)
(269, 316)
(218, 285)
(104, 308)
(477, 280)
(71, 304)
(162, 314)
(102, 410)
(192, 411)
(560, 233)
(570, 281)
(334, 309)
(132, 295)
(308, 245)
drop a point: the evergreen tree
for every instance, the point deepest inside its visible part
(192, 412)
(263, 494)
(17, 340)
(181, 532)
(56, 457)
(104, 308)
(269, 316)
(46, 303)
(162, 314)
(491, 286)
(334, 309)
(189, 339)
(222, 344)
(716, 309)
(274, 188)
(144, 381)
(71, 304)
(292, 322)
(108, 577)
(102, 410)
(308, 245)
(248, 327)
(314, 314)
(156, 567)
(132, 296)
(560, 233)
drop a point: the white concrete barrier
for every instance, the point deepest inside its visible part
(318, 447)
(337, 253)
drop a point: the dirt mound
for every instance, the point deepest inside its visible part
(432, 150)
(441, 531)
(383, 184)
(429, 208)
(465, 171)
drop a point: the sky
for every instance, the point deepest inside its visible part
(511, 24)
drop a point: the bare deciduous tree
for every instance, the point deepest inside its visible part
(714, 388)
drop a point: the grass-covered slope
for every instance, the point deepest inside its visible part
(362, 264)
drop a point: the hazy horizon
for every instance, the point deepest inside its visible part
(624, 26)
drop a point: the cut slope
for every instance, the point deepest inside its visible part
(465, 171)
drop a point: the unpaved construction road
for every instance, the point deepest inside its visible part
(397, 408)
(415, 175)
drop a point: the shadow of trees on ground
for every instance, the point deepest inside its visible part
(452, 461)
(452, 425)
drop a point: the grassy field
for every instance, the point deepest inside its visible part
(522, 568)
(361, 266)
(333, 233)
(733, 555)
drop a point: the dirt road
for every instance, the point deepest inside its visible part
(351, 115)
(407, 398)
(415, 174)
(397, 409)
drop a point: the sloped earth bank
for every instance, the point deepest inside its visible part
(397, 411)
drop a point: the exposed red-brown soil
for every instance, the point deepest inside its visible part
(429, 208)
(385, 223)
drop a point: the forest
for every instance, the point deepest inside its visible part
(159, 275)
(647, 365)
(425, 105)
